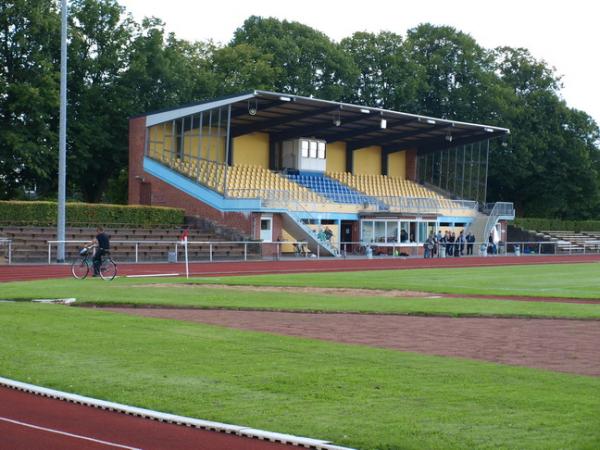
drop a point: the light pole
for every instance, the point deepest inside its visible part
(62, 137)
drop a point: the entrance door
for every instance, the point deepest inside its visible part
(145, 193)
(346, 231)
(266, 229)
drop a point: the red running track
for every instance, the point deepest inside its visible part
(36, 272)
(31, 422)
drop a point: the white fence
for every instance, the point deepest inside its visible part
(174, 249)
(211, 251)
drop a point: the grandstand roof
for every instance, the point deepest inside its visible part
(286, 116)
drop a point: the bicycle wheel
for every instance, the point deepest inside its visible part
(108, 269)
(80, 268)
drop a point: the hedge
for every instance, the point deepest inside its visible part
(88, 214)
(557, 224)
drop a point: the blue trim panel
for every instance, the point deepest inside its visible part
(198, 191)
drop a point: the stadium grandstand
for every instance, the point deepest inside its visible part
(284, 167)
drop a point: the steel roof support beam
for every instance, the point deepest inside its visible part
(316, 129)
(261, 107)
(434, 145)
(397, 136)
(270, 123)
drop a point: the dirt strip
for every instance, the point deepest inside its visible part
(348, 292)
(571, 346)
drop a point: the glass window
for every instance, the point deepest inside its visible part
(313, 149)
(430, 228)
(321, 154)
(422, 235)
(304, 145)
(404, 232)
(379, 232)
(412, 233)
(392, 231)
(367, 231)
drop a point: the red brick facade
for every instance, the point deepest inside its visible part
(163, 194)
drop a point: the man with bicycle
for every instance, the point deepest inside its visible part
(102, 244)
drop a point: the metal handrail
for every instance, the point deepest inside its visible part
(503, 248)
(177, 243)
(379, 203)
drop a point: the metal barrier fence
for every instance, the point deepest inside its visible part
(335, 200)
(6, 250)
(172, 251)
(447, 249)
(234, 250)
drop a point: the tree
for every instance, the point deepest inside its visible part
(386, 77)
(454, 73)
(243, 67)
(550, 167)
(29, 53)
(307, 61)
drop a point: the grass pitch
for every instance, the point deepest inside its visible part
(353, 395)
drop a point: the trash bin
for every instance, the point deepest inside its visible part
(442, 250)
(172, 257)
(517, 250)
(369, 252)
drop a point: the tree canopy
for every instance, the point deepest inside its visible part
(119, 67)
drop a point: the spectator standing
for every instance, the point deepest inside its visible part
(442, 245)
(457, 245)
(470, 240)
(451, 241)
(428, 247)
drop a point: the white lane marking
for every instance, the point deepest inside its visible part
(153, 275)
(50, 430)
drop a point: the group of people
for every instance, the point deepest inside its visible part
(448, 244)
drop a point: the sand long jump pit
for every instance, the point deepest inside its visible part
(563, 345)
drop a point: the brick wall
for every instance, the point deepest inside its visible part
(163, 194)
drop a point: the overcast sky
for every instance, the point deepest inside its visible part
(566, 34)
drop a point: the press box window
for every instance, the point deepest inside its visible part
(304, 149)
(321, 150)
(313, 149)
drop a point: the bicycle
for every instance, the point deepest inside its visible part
(81, 266)
(360, 249)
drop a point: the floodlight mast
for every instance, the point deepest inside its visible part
(62, 137)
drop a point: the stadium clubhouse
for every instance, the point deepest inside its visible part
(285, 167)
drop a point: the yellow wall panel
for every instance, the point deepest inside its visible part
(213, 147)
(251, 149)
(397, 165)
(336, 157)
(367, 161)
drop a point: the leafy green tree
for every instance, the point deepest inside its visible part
(243, 67)
(29, 52)
(307, 61)
(163, 71)
(454, 73)
(387, 78)
(97, 125)
(550, 165)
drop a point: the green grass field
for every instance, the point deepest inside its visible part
(353, 395)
